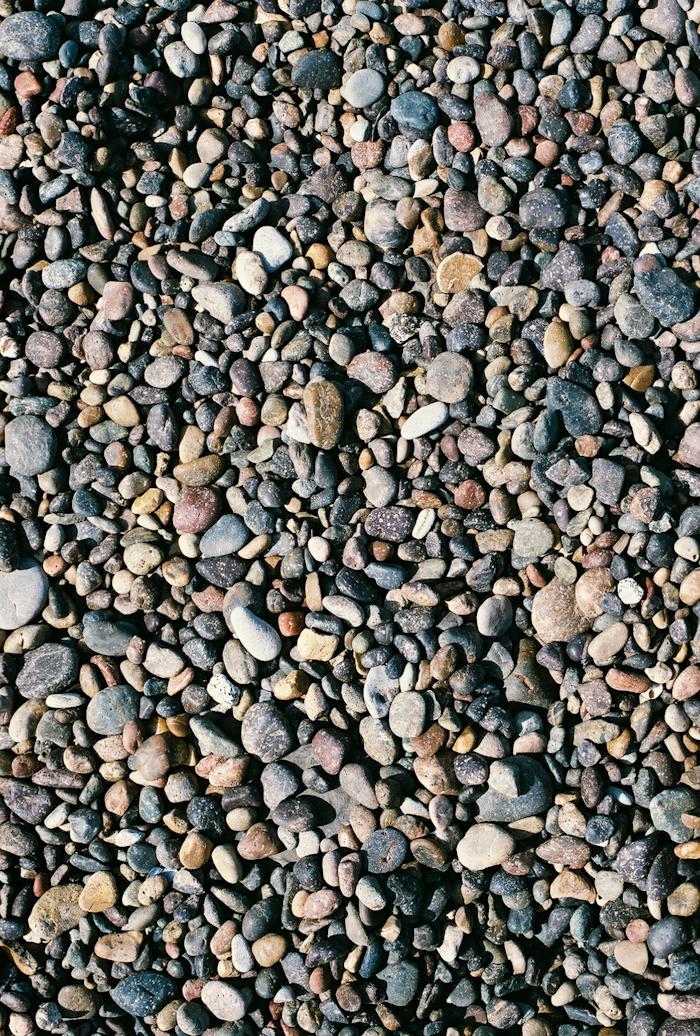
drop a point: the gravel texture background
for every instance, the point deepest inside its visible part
(349, 518)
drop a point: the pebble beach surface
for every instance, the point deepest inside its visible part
(350, 518)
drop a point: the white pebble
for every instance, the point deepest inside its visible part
(425, 420)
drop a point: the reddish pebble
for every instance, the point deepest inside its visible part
(247, 412)
(27, 85)
(546, 152)
(192, 988)
(637, 930)
(291, 623)
(469, 495)
(297, 301)
(461, 136)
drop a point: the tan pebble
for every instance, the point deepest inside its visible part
(269, 949)
(99, 892)
(633, 957)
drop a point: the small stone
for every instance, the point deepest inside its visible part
(555, 613)
(317, 70)
(23, 594)
(272, 247)
(256, 635)
(324, 407)
(449, 378)
(265, 732)
(99, 893)
(424, 421)
(363, 88)
(57, 911)
(222, 301)
(484, 846)
(224, 1001)
(143, 992)
(407, 714)
(30, 445)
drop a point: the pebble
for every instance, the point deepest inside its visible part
(29, 36)
(256, 635)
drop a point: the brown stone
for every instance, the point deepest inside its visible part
(436, 773)
(123, 947)
(564, 849)
(556, 615)
(259, 842)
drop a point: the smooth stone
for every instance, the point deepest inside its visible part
(221, 300)
(324, 406)
(30, 445)
(29, 36)
(55, 912)
(273, 248)
(363, 88)
(265, 732)
(317, 70)
(225, 536)
(144, 992)
(666, 810)
(257, 636)
(484, 846)
(407, 714)
(224, 1001)
(47, 670)
(23, 594)
(424, 420)
(555, 613)
(111, 709)
(449, 379)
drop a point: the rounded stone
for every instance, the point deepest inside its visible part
(30, 445)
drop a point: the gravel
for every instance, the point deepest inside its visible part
(349, 518)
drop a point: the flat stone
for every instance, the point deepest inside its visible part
(222, 301)
(29, 36)
(273, 248)
(324, 407)
(56, 912)
(363, 88)
(555, 613)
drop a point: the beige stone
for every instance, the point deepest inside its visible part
(319, 647)
(690, 588)
(632, 956)
(195, 851)
(556, 615)
(572, 885)
(609, 643)
(484, 846)
(56, 912)
(123, 947)
(684, 901)
(590, 587)
(122, 411)
(558, 344)
(99, 893)
(269, 949)
(456, 272)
